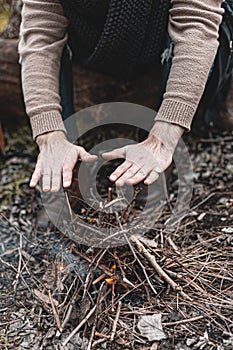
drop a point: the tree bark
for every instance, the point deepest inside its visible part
(11, 98)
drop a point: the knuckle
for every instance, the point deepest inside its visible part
(127, 162)
(56, 175)
(129, 173)
(81, 149)
(141, 173)
(67, 169)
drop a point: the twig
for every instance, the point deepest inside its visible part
(172, 244)
(99, 341)
(99, 256)
(115, 321)
(183, 321)
(136, 257)
(58, 322)
(109, 194)
(96, 317)
(124, 279)
(68, 205)
(20, 248)
(158, 269)
(90, 313)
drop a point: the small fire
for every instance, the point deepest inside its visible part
(62, 268)
(110, 280)
(113, 268)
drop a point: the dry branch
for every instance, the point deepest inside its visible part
(158, 268)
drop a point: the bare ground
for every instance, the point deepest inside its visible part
(52, 286)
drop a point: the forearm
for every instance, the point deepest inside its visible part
(42, 38)
(193, 28)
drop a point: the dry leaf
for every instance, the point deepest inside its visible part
(150, 326)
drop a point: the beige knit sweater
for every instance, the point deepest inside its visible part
(193, 27)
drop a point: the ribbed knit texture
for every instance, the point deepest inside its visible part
(176, 112)
(46, 122)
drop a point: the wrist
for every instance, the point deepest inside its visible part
(167, 133)
(50, 136)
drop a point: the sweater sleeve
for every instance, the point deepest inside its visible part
(42, 38)
(193, 28)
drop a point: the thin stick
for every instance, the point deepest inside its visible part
(58, 322)
(96, 317)
(90, 313)
(114, 327)
(109, 194)
(20, 248)
(158, 269)
(99, 341)
(68, 205)
(135, 256)
(193, 319)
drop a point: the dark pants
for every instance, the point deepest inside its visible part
(66, 84)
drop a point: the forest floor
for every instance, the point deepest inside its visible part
(58, 294)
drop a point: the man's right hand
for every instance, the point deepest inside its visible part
(56, 161)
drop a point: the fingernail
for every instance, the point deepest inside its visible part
(66, 184)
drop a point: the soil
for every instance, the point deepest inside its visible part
(51, 283)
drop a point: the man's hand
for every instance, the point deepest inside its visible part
(56, 161)
(146, 160)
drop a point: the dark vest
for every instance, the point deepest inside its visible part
(117, 37)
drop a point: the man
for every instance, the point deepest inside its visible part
(193, 28)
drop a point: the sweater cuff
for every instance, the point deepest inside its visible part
(176, 112)
(45, 122)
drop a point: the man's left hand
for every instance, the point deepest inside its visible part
(146, 160)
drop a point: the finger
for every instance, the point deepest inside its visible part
(56, 181)
(46, 180)
(86, 156)
(67, 173)
(35, 176)
(120, 170)
(152, 177)
(131, 172)
(139, 176)
(116, 153)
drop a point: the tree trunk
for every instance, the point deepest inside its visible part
(11, 98)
